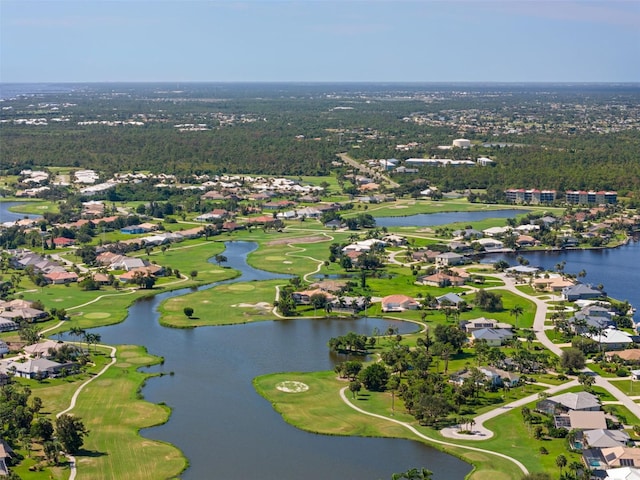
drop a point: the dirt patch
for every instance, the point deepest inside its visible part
(291, 241)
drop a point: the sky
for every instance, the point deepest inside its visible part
(319, 41)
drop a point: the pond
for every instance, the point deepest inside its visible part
(225, 428)
(435, 219)
(7, 215)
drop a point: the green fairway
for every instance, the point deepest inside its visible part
(320, 410)
(222, 305)
(113, 412)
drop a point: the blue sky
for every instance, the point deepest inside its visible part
(320, 41)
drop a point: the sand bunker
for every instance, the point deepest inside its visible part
(291, 386)
(291, 241)
(259, 305)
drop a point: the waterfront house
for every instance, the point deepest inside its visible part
(448, 259)
(611, 339)
(581, 291)
(398, 303)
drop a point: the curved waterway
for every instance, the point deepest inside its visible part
(225, 429)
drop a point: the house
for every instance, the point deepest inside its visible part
(614, 457)
(569, 401)
(622, 473)
(554, 283)
(581, 420)
(33, 368)
(42, 349)
(449, 299)
(448, 259)
(5, 454)
(191, 232)
(4, 348)
(494, 337)
(62, 242)
(611, 339)
(128, 263)
(490, 244)
(582, 323)
(603, 438)
(631, 355)
(309, 212)
(441, 280)
(522, 270)
(581, 291)
(468, 233)
(398, 303)
(478, 324)
(525, 241)
(493, 376)
(60, 278)
(496, 231)
(7, 325)
(335, 223)
(133, 229)
(304, 297)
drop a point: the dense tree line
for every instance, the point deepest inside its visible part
(297, 129)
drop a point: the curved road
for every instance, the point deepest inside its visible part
(429, 439)
(539, 328)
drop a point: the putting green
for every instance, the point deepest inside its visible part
(290, 386)
(97, 315)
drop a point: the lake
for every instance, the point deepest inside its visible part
(225, 428)
(434, 219)
(615, 268)
(7, 215)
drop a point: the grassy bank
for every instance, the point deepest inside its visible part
(320, 410)
(114, 412)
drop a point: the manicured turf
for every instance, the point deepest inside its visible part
(222, 305)
(111, 410)
(321, 410)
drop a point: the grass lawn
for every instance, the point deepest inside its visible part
(35, 207)
(114, 414)
(321, 410)
(222, 305)
(627, 386)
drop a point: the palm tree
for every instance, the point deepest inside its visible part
(516, 311)
(77, 332)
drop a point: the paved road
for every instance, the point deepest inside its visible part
(429, 439)
(367, 170)
(539, 328)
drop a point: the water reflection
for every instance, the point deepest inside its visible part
(225, 428)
